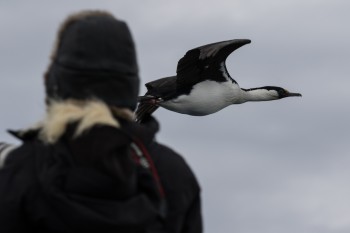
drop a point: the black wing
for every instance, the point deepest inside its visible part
(206, 63)
(164, 88)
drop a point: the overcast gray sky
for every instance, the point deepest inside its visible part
(279, 166)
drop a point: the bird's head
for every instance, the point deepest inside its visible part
(279, 92)
(267, 93)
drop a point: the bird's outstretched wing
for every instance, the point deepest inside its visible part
(157, 91)
(205, 62)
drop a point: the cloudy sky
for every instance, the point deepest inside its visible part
(279, 166)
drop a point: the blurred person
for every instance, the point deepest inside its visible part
(87, 166)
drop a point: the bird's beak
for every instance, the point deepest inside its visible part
(290, 94)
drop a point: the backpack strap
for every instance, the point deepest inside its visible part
(5, 150)
(142, 157)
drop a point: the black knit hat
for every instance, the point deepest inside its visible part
(95, 57)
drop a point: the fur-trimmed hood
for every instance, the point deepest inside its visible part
(87, 114)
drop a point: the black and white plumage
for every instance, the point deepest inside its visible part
(203, 85)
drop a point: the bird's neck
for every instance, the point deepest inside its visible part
(258, 94)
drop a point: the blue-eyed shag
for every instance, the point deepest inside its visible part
(202, 85)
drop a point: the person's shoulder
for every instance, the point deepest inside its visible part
(5, 151)
(16, 171)
(163, 152)
(170, 162)
(13, 155)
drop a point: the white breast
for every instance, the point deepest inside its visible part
(206, 98)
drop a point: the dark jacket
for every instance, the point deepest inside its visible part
(90, 183)
(182, 190)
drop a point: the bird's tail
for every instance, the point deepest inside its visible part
(147, 105)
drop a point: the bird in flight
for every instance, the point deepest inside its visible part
(202, 84)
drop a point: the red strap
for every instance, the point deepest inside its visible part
(144, 158)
